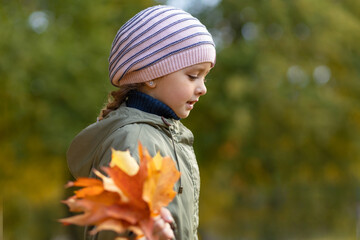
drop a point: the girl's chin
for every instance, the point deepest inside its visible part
(184, 114)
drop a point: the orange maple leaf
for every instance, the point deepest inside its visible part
(157, 191)
(128, 198)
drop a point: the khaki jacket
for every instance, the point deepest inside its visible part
(122, 130)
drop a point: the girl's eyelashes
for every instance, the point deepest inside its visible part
(193, 77)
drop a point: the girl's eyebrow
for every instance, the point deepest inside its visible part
(200, 69)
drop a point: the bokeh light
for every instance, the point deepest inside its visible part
(250, 31)
(297, 76)
(322, 74)
(39, 21)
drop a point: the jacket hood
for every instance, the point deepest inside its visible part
(84, 146)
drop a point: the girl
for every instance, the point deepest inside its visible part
(159, 60)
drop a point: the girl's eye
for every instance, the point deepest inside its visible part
(193, 77)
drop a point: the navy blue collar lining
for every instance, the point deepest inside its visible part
(146, 103)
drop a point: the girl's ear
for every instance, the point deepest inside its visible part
(150, 84)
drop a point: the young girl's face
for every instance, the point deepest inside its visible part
(182, 89)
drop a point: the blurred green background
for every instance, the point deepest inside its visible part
(277, 136)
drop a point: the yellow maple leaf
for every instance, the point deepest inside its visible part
(124, 161)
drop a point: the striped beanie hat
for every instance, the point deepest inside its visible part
(158, 41)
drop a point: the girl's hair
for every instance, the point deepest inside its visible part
(116, 98)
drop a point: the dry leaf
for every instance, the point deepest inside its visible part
(128, 197)
(124, 161)
(157, 191)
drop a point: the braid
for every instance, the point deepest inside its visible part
(116, 98)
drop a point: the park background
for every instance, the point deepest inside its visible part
(277, 136)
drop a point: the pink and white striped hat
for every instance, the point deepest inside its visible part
(158, 41)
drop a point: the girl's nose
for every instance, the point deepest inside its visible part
(201, 88)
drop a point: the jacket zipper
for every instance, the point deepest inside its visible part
(180, 189)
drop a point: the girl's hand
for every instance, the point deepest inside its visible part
(162, 228)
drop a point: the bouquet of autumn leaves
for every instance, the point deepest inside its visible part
(128, 198)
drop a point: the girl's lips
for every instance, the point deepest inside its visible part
(190, 104)
(193, 102)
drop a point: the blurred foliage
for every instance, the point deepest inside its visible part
(277, 135)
